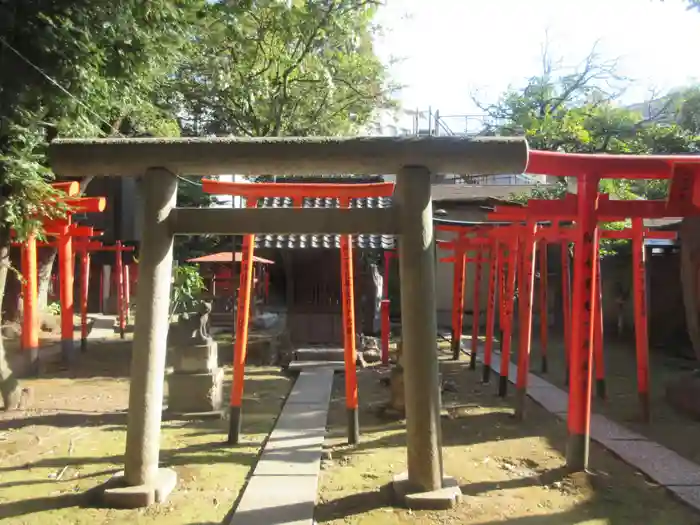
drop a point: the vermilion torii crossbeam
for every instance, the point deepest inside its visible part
(588, 210)
(297, 193)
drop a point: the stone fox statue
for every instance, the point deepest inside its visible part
(193, 329)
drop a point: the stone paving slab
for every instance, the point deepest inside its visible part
(664, 466)
(277, 500)
(282, 489)
(312, 386)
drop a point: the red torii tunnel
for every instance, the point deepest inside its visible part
(64, 231)
(486, 235)
(297, 192)
(122, 277)
(587, 207)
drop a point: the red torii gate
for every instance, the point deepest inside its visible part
(297, 192)
(587, 207)
(122, 277)
(83, 244)
(77, 233)
(64, 231)
(501, 241)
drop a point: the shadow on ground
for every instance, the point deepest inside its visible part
(509, 471)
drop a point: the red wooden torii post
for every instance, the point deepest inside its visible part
(297, 192)
(587, 208)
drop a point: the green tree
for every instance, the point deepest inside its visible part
(26, 199)
(78, 68)
(271, 68)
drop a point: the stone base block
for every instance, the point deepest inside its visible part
(195, 358)
(263, 351)
(120, 495)
(195, 392)
(408, 495)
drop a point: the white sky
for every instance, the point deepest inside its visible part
(451, 48)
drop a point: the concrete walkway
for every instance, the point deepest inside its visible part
(282, 489)
(665, 467)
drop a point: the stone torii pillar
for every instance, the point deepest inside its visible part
(143, 482)
(425, 480)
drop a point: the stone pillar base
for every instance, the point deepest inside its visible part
(195, 393)
(120, 495)
(195, 358)
(444, 498)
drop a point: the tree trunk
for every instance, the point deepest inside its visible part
(690, 278)
(45, 261)
(12, 303)
(9, 387)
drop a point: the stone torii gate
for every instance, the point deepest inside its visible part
(159, 161)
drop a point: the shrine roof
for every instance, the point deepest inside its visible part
(291, 241)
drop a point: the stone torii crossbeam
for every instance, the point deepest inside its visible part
(412, 159)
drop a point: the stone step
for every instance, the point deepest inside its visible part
(336, 366)
(319, 354)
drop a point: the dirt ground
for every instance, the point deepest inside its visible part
(667, 427)
(72, 436)
(509, 472)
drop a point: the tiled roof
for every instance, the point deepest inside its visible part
(293, 241)
(475, 192)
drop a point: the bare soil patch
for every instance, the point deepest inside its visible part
(510, 472)
(71, 438)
